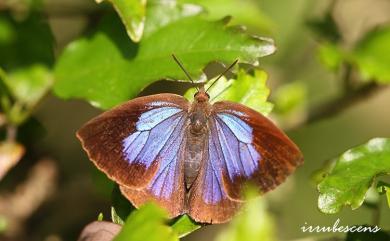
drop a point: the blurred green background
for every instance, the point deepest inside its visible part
(80, 192)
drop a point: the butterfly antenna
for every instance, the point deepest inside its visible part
(223, 73)
(226, 88)
(184, 70)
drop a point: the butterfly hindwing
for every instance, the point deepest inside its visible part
(126, 142)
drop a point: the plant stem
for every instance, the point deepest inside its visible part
(337, 105)
(376, 213)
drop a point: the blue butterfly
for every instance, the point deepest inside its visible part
(191, 158)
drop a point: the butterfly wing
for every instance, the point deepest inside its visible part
(127, 142)
(243, 146)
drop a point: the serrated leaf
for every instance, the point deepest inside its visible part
(132, 14)
(184, 225)
(147, 223)
(252, 224)
(372, 55)
(249, 90)
(107, 69)
(347, 183)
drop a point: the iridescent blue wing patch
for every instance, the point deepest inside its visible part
(165, 142)
(135, 142)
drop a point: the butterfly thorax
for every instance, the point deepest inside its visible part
(196, 135)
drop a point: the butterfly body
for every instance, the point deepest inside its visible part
(197, 132)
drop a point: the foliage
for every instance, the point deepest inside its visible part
(148, 62)
(348, 181)
(372, 53)
(132, 13)
(148, 220)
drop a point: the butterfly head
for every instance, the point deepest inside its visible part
(201, 95)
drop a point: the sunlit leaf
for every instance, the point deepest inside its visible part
(372, 55)
(253, 224)
(249, 90)
(107, 69)
(246, 12)
(146, 223)
(161, 13)
(184, 226)
(132, 14)
(352, 175)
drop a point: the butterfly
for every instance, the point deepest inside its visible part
(190, 158)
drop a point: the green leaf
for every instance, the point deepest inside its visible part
(247, 12)
(372, 55)
(161, 13)
(252, 224)
(107, 69)
(29, 85)
(331, 55)
(132, 13)
(352, 175)
(249, 90)
(24, 43)
(384, 188)
(100, 217)
(146, 223)
(184, 225)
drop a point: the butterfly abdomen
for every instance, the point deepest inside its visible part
(193, 157)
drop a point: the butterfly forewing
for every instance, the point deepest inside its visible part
(130, 142)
